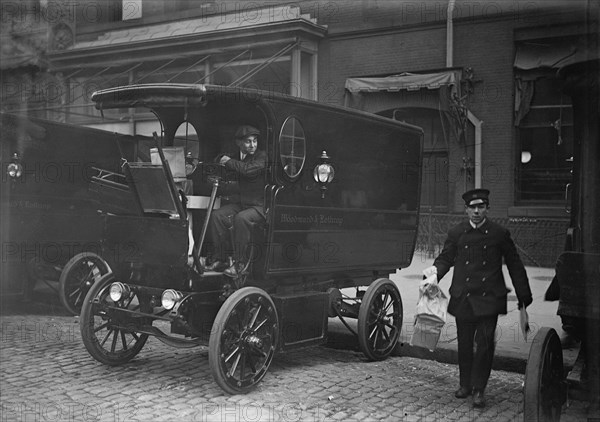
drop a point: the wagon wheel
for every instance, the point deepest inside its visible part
(105, 334)
(243, 340)
(76, 278)
(380, 319)
(544, 386)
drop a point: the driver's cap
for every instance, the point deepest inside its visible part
(476, 196)
(246, 130)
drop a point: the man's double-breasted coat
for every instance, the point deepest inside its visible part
(478, 287)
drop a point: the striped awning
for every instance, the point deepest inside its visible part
(402, 81)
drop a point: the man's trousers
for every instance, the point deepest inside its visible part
(243, 220)
(476, 343)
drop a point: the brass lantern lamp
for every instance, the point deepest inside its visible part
(14, 168)
(323, 173)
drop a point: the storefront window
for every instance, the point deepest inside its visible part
(546, 145)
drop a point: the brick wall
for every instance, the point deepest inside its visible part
(539, 241)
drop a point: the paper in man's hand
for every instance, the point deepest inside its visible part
(524, 322)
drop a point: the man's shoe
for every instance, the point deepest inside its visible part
(478, 399)
(462, 392)
(217, 266)
(231, 271)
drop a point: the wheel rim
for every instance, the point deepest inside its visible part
(245, 342)
(544, 386)
(380, 320)
(79, 278)
(109, 336)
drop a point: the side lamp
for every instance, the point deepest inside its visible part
(14, 168)
(323, 173)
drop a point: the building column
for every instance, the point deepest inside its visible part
(296, 72)
(303, 71)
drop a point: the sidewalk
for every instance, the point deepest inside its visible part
(512, 350)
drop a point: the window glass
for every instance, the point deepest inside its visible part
(292, 147)
(545, 163)
(546, 144)
(186, 137)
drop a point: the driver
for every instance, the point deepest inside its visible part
(249, 164)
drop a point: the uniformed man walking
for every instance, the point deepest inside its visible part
(478, 293)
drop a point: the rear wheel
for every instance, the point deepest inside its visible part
(243, 340)
(544, 385)
(81, 272)
(108, 336)
(380, 319)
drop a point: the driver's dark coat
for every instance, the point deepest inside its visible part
(251, 177)
(478, 283)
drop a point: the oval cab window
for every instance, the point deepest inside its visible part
(292, 147)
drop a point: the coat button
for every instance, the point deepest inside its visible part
(468, 278)
(467, 263)
(483, 294)
(468, 294)
(466, 246)
(483, 262)
(483, 279)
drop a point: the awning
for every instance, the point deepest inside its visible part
(556, 54)
(375, 94)
(402, 81)
(535, 56)
(540, 58)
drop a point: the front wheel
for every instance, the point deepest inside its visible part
(107, 334)
(544, 385)
(243, 340)
(380, 319)
(81, 272)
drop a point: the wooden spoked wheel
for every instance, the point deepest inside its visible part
(243, 340)
(544, 390)
(380, 319)
(76, 278)
(108, 335)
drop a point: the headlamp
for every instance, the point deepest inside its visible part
(170, 298)
(118, 291)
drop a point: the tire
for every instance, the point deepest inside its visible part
(79, 274)
(380, 319)
(107, 338)
(243, 340)
(544, 391)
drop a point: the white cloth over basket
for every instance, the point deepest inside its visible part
(431, 314)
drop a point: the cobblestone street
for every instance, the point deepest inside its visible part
(47, 375)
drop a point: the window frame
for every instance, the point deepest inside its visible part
(298, 173)
(560, 107)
